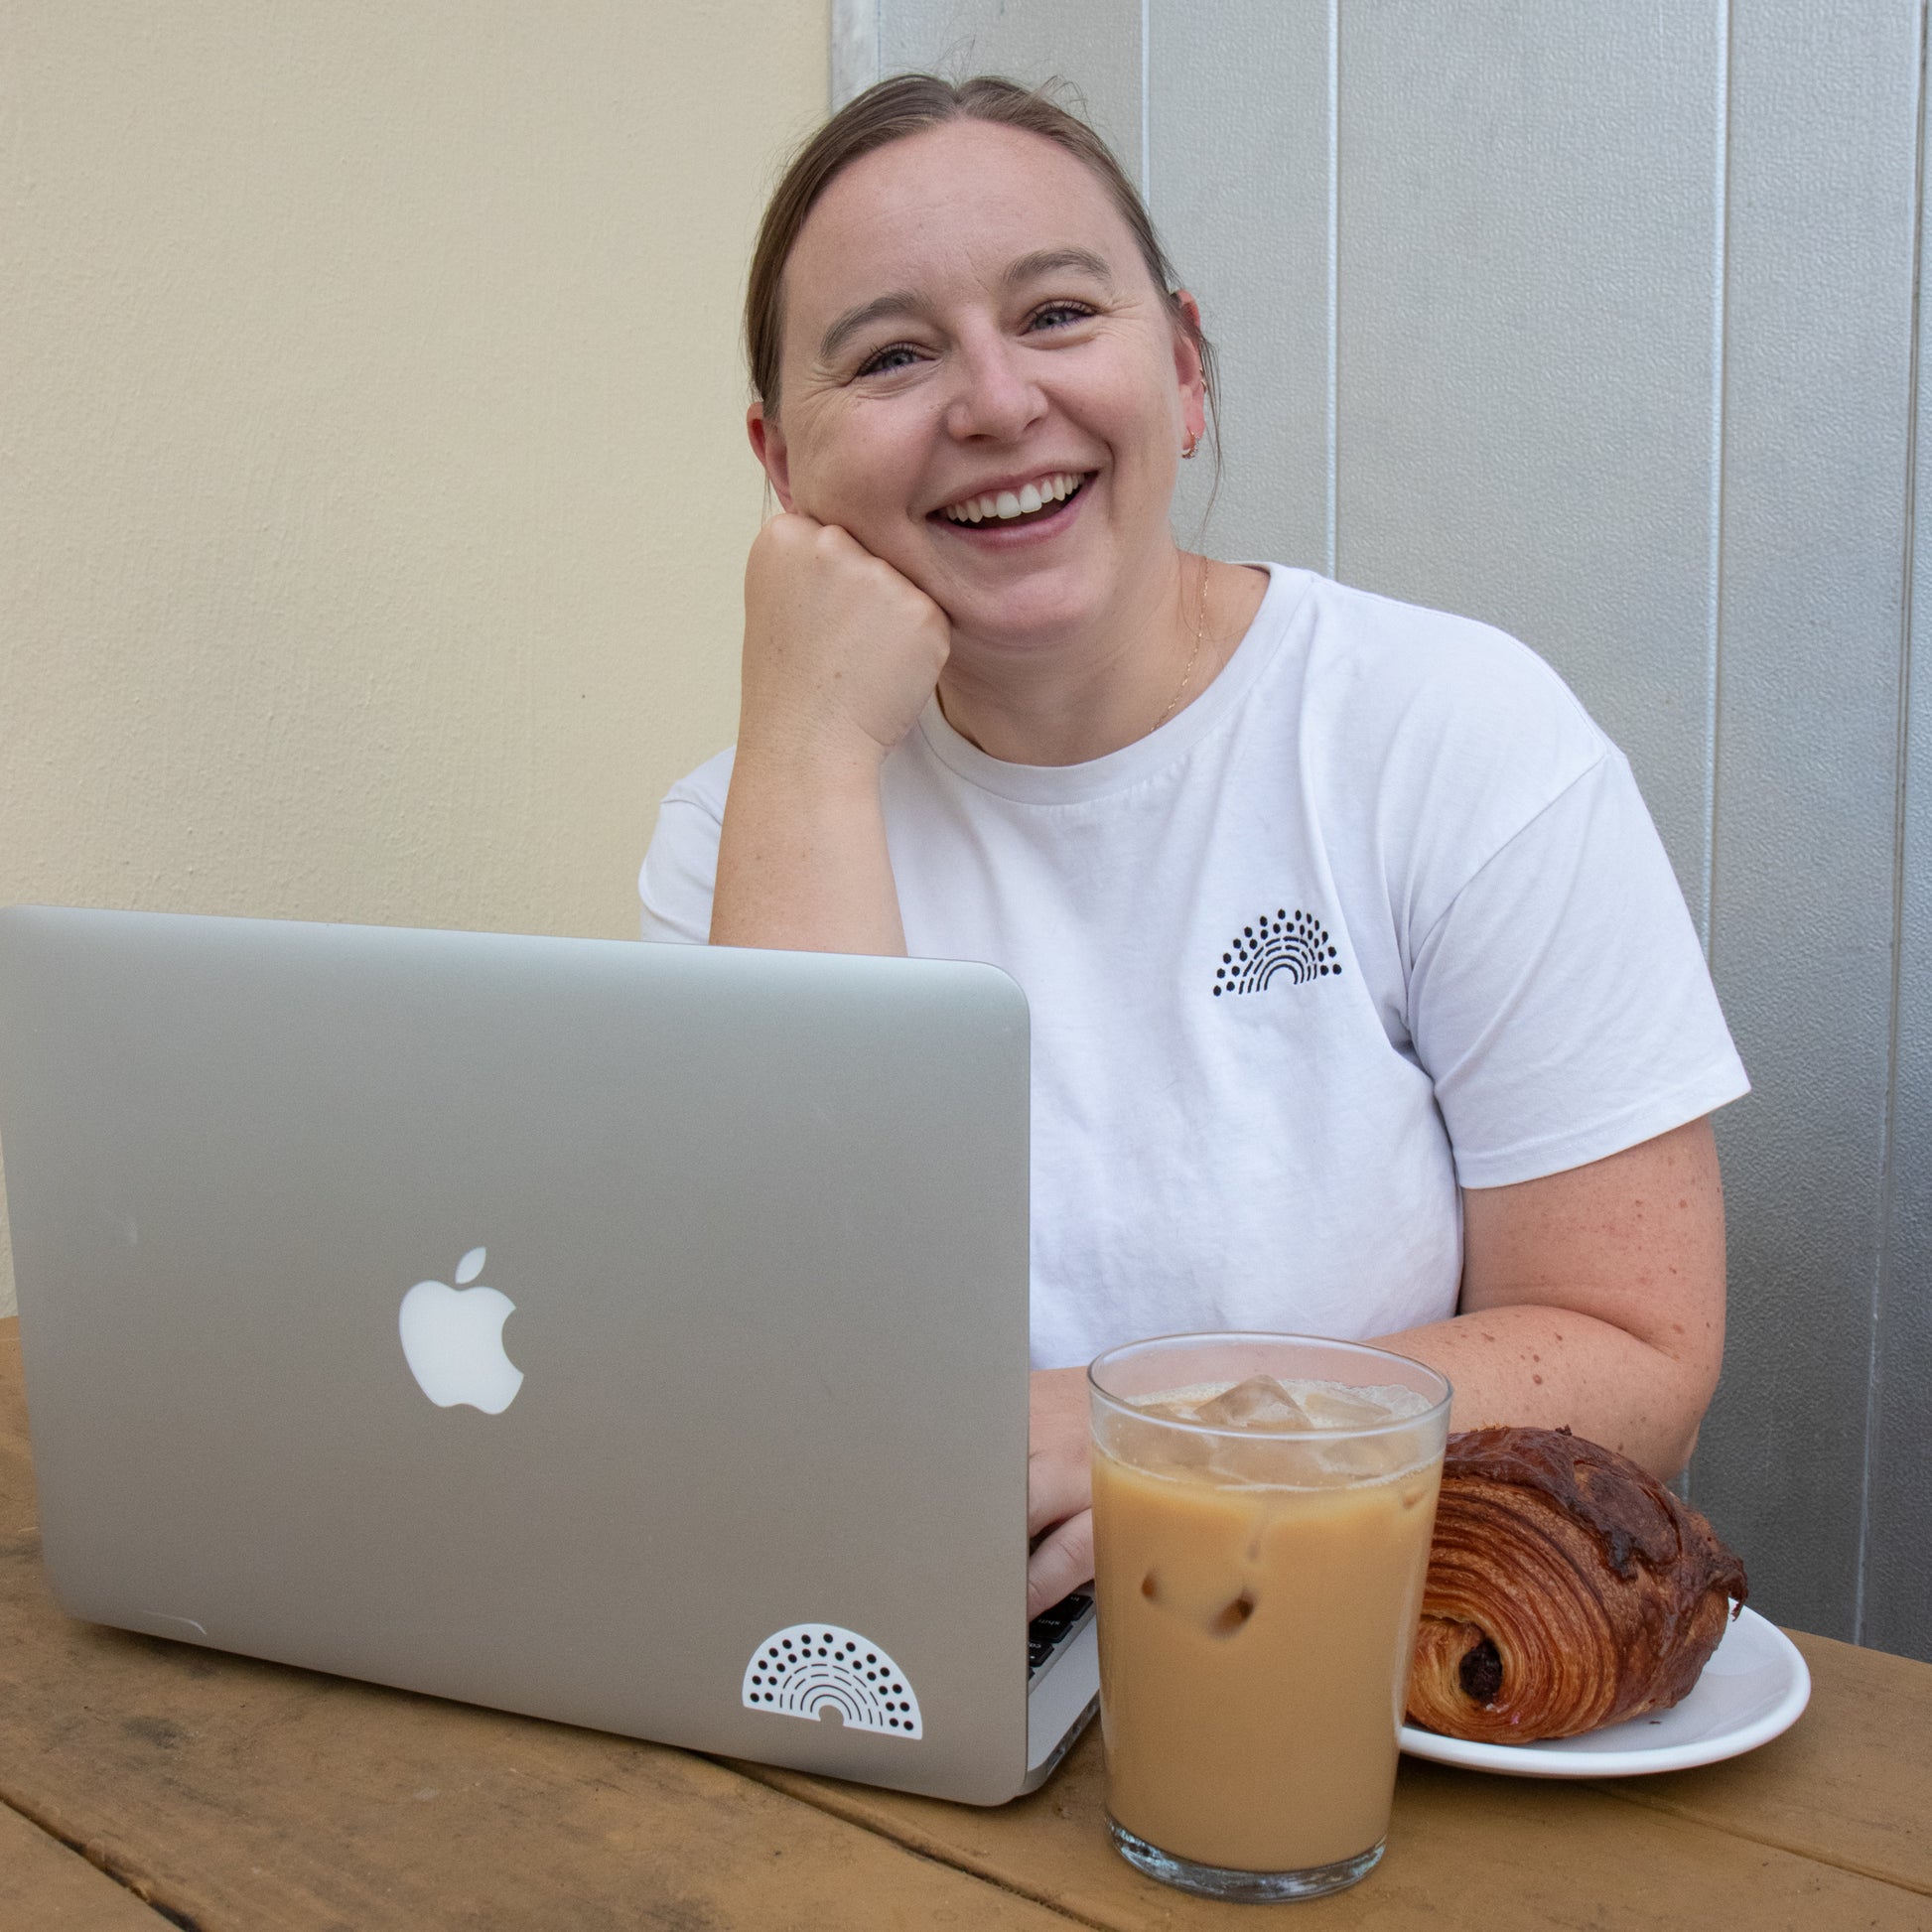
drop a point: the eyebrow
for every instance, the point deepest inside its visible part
(1057, 261)
(902, 302)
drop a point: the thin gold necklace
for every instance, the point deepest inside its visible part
(1200, 626)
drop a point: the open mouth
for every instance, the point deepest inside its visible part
(1039, 501)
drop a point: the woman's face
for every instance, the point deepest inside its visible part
(967, 315)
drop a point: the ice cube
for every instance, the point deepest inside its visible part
(1259, 1403)
(1331, 1405)
(1175, 1405)
(1167, 1408)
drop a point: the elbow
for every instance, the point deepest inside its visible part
(1677, 1438)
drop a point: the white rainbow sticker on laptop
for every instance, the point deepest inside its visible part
(798, 1672)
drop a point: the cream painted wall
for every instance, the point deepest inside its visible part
(371, 464)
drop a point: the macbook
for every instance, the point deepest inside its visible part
(629, 1335)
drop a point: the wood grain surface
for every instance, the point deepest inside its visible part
(1851, 1783)
(1502, 1854)
(47, 1887)
(230, 1793)
(236, 1794)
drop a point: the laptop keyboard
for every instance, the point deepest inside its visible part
(1052, 1629)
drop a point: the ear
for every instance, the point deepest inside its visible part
(768, 446)
(1187, 365)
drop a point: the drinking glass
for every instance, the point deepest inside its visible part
(1259, 1576)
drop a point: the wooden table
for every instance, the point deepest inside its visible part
(149, 1784)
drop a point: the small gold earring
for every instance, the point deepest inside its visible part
(1193, 442)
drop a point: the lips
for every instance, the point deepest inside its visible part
(1007, 505)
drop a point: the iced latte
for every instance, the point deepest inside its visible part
(1262, 1517)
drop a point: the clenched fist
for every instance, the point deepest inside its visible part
(841, 651)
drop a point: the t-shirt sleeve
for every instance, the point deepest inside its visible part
(680, 868)
(1561, 1001)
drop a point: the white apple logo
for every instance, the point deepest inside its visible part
(453, 1340)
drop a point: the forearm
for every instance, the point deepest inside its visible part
(841, 654)
(802, 860)
(1593, 1298)
(1546, 1367)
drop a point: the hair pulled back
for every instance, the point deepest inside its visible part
(895, 110)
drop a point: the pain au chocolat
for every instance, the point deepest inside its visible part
(1568, 1588)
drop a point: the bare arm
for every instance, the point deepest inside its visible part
(802, 864)
(841, 653)
(1594, 1297)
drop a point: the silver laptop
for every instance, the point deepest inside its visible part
(632, 1336)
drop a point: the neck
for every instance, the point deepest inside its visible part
(1072, 699)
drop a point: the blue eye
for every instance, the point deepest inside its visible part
(1057, 315)
(886, 361)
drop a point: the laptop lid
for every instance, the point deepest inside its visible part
(748, 1470)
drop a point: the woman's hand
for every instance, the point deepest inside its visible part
(841, 651)
(841, 654)
(1059, 1488)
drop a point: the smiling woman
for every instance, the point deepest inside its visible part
(1364, 1000)
(997, 410)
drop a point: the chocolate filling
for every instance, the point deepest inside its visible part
(1481, 1672)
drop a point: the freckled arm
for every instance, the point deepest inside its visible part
(1593, 1298)
(840, 654)
(802, 864)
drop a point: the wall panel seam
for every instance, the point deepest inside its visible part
(1334, 507)
(1713, 602)
(1719, 368)
(1902, 769)
(1147, 103)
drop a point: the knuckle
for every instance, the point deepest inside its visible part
(771, 544)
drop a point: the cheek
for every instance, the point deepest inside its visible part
(867, 466)
(1146, 444)
(1140, 413)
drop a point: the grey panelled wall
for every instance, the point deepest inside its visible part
(1526, 362)
(1817, 447)
(1897, 1573)
(1598, 323)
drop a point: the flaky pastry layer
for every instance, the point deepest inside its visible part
(1568, 1588)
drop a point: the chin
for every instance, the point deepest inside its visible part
(1030, 628)
(1023, 613)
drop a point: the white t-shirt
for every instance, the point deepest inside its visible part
(1379, 913)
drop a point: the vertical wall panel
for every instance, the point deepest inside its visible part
(1616, 304)
(1819, 305)
(1897, 1600)
(1898, 1578)
(854, 63)
(1094, 44)
(1241, 183)
(1528, 219)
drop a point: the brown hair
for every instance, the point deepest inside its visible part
(893, 110)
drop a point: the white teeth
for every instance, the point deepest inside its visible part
(1008, 503)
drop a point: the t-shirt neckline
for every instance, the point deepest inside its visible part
(1167, 744)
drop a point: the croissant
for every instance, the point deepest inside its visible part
(1568, 1588)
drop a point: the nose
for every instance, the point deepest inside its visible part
(994, 393)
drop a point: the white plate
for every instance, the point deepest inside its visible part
(1752, 1689)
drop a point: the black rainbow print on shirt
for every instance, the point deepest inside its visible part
(1291, 945)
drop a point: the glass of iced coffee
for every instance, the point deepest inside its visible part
(1262, 1509)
